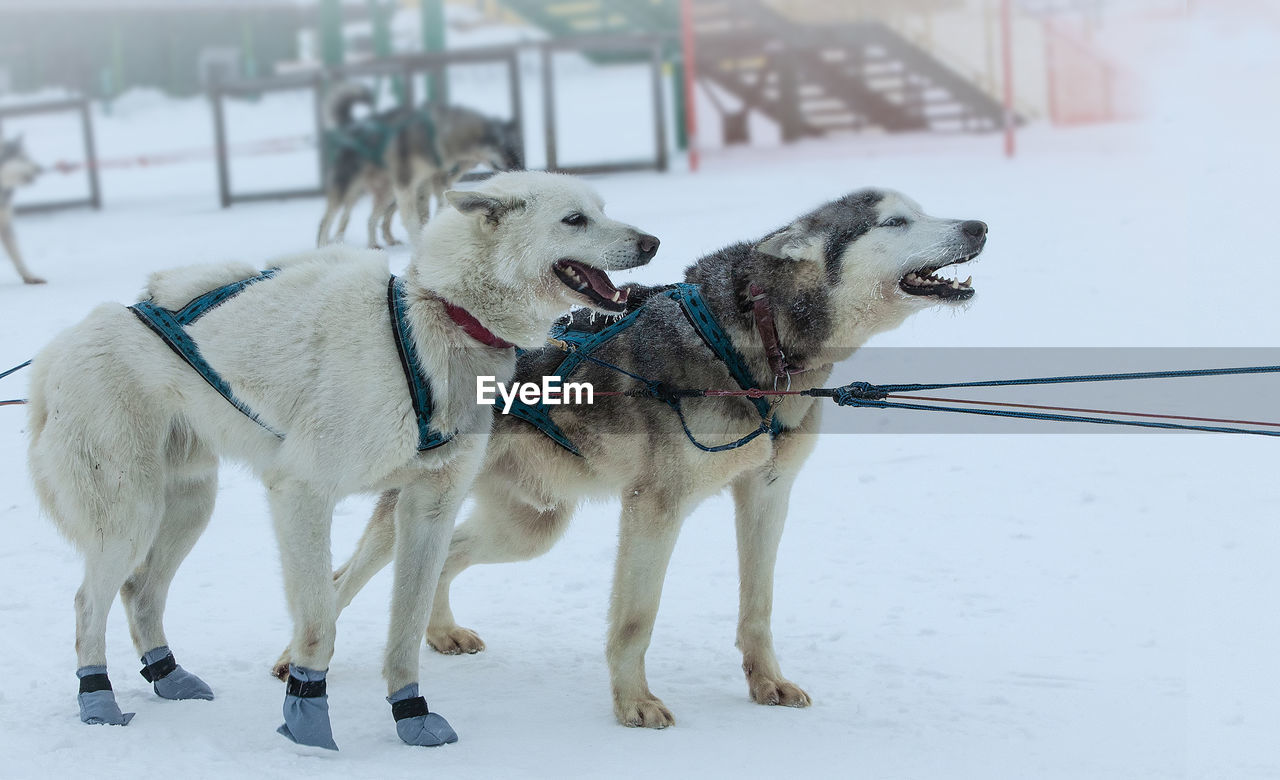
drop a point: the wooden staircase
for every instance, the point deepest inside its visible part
(813, 80)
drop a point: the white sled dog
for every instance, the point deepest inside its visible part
(791, 305)
(341, 379)
(17, 169)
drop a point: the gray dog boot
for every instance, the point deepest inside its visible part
(306, 709)
(97, 700)
(414, 724)
(170, 680)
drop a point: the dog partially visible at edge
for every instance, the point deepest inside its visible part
(322, 402)
(17, 169)
(855, 267)
(404, 157)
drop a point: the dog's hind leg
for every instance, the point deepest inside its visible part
(383, 200)
(761, 498)
(11, 246)
(651, 520)
(348, 204)
(500, 529)
(303, 516)
(192, 484)
(333, 201)
(387, 216)
(105, 569)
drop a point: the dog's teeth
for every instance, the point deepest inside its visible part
(583, 287)
(955, 285)
(616, 296)
(967, 282)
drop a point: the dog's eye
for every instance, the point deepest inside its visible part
(575, 220)
(895, 222)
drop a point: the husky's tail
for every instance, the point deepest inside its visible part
(342, 101)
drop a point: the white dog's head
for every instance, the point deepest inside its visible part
(529, 246)
(879, 245)
(17, 169)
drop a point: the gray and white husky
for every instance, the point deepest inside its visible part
(17, 169)
(404, 157)
(836, 276)
(126, 436)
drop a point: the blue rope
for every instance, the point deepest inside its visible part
(1057, 380)
(15, 369)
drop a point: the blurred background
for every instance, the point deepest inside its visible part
(599, 85)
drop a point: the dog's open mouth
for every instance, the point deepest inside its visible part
(592, 284)
(926, 283)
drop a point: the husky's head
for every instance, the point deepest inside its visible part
(879, 244)
(16, 168)
(530, 245)
(504, 145)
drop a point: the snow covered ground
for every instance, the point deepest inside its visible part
(958, 606)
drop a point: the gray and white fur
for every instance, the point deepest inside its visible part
(17, 169)
(838, 275)
(125, 438)
(420, 153)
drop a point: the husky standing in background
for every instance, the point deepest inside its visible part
(835, 277)
(326, 392)
(404, 157)
(16, 170)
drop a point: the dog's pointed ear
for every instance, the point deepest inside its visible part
(790, 243)
(492, 208)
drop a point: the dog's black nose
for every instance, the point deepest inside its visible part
(648, 246)
(974, 229)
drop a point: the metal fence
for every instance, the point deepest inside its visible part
(434, 65)
(79, 106)
(614, 44)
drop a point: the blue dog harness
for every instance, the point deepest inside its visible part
(171, 327)
(580, 345)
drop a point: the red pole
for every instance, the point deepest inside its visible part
(690, 81)
(1006, 36)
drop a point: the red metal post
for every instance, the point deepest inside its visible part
(690, 81)
(1006, 36)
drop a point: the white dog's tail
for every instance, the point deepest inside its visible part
(340, 106)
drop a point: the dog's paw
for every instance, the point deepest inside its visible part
(649, 713)
(778, 692)
(281, 669)
(33, 280)
(454, 640)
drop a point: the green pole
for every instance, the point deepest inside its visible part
(247, 46)
(677, 89)
(380, 16)
(433, 40)
(331, 44)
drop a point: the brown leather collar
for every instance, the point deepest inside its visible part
(768, 330)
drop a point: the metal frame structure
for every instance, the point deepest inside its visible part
(584, 43)
(81, 107)
(405, 66)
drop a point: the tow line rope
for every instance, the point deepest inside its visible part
(891, 396)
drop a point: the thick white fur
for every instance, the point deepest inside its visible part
(125, 437)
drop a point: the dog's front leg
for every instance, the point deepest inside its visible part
(303, 516)
(424, 517)
(761, 498)
(651, 520)
(11, 246)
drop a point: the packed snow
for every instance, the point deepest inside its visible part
(964, 605)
